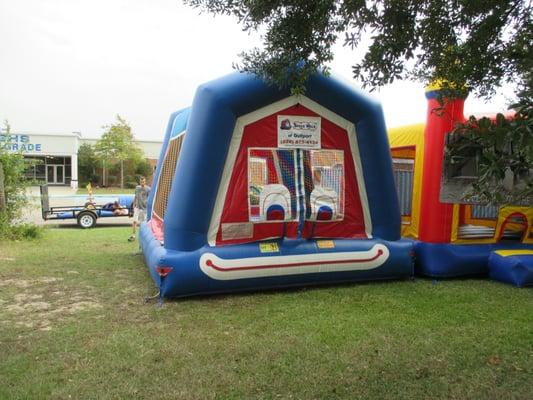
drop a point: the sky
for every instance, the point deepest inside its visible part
(72, 65)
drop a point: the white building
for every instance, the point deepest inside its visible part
(57, 154)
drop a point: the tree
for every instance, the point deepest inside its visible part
(469, 45)
(116, 146)
(503, 149)
(478, 43)
(2, 189)
(13, 187)
(87, 162)
(143, 168)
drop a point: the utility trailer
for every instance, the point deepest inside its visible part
(86, 215)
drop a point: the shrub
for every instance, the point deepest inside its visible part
(25, 231)
(143, 168)
(87, 163)
(111, 180)
(95, 179)
(15, 185)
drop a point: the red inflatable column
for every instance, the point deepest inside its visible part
(436, 217)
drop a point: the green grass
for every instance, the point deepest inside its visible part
(73, 325)
(107, 190)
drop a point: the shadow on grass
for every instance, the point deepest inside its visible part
(294, 289)
(73, 225)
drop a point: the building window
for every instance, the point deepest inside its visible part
(49, 169)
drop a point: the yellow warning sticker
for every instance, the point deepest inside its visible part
(268, 248)
(325, 244)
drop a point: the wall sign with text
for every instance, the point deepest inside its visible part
(298, 132)
(18, 143)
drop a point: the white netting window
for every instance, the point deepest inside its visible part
(324, 184)
(271, 185)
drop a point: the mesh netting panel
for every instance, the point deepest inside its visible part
(271, 176)
(324, 173)
(167, 174)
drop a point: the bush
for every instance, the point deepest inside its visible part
(87, 162)
(95, 180)
(143, 168)
(12, 165)
(111, 180)
(25, 231)
(131, 185)
(15, 185)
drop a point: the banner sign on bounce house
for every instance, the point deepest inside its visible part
(300, 132)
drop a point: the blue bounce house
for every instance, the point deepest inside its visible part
(258, 189)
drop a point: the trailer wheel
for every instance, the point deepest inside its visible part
(86, 220)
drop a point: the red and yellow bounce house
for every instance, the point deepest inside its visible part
(453, 239)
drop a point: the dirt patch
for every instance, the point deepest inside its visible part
(46, 279)
(33, 306)
(38, 305)
(19, 283)
(21, 297)
(75, 307)
(26, 283)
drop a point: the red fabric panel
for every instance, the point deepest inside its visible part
(263, 133)
(276, 215)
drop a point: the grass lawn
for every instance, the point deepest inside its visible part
(73, 325)
(106, 190)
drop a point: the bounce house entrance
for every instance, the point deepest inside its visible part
(295, 185)
(279, 191)
(514, 228)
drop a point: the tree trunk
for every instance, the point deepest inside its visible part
(103, 174)
(2, 189)
(122, 174)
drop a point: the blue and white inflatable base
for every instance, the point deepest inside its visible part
(445, 260)
(273, 264)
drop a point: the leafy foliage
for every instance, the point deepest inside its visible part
(478, 43)
(475, 45)
(15, 185)
(502, 147)
(87, 163)
(117, 146)
(143, 168)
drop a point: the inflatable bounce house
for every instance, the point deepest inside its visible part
(256, 188)
(454, 239)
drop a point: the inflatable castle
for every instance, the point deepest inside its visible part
(453, 239)
(258, 189)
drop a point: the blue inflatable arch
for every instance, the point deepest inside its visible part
(259, 189)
